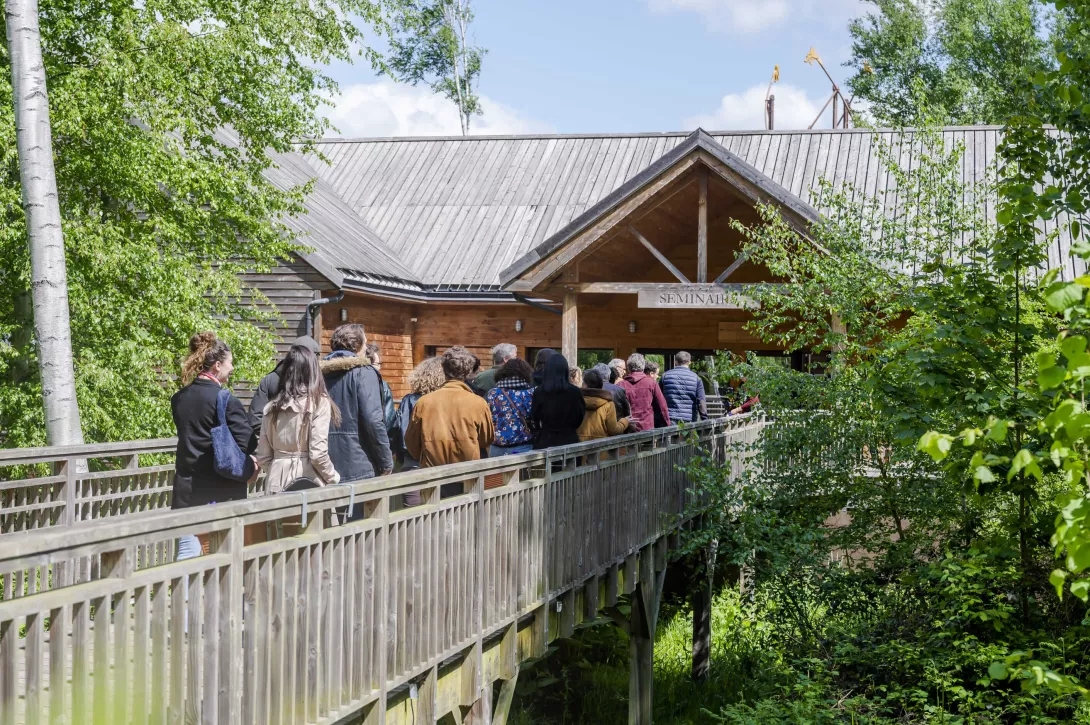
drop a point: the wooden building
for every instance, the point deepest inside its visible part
(617, 242)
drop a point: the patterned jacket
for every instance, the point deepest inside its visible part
(510, 402)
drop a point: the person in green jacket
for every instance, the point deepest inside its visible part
(500, 354)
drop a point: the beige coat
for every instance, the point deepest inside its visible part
(286, 452)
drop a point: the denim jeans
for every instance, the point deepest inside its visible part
(189, 547)
(496, 451)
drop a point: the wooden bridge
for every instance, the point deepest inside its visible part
(409, 615)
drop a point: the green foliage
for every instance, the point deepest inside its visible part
(966, 54)
(430, 46)
(162, 115)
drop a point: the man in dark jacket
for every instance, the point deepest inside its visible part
(389, 412)
(266, 389)
(359, 446)
(684, 391)
(644, 395)
(609, 380)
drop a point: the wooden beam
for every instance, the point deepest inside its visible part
(506, 698)
(702, 229)
(658, 255)
(570, 324)
(731, 269)
(634, 288)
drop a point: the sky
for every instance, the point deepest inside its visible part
(615, 66)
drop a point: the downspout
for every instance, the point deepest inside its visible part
(538, 305)
(312, 308)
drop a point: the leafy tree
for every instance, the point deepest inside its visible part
(430, 46)
(165, 115)
(967, 54)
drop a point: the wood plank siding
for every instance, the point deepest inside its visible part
(289, 287)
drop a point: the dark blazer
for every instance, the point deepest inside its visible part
(557, 417)
(266, 389)
(620, 400)
(360, 445)
(195, 479)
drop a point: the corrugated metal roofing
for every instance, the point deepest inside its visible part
(458, 210)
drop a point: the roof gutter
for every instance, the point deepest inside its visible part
(312, 308)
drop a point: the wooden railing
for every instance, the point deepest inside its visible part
(53, 486)
(402, 616)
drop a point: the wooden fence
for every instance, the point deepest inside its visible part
(402, 616)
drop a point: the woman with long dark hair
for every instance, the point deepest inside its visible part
(294, 440)
(557, 409)
(540, 359)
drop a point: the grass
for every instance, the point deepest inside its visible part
(585, 679)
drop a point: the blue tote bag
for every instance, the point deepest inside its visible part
(230, 461)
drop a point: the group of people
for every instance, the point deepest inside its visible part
(318, 420)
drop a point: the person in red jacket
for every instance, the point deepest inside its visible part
(644, 395)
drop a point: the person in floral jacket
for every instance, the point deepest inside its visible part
(510, 402)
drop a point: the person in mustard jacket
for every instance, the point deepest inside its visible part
(452, 424)
(600, 420)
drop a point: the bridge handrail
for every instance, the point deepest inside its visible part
(360, 609)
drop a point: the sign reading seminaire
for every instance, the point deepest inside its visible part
(688, 299)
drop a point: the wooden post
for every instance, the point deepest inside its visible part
(570, 339)
(481, 711)
(702, 229)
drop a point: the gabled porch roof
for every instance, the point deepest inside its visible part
(535, 268)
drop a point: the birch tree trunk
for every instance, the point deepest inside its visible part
(465, 64)
(49, 277)
(451, 10)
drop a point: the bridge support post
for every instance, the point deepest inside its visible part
(702, 618)
(640, 626)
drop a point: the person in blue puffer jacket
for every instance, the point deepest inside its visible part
(684, 391)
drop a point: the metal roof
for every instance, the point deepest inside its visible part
(343, 244)
(456, 211)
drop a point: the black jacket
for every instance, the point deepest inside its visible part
(557, 417)
(266, 389)
(195, 481)
(620, 400)
(359, 446)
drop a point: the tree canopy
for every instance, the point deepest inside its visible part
(967, 56)
(163, 116)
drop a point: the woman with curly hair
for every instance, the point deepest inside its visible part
(427, 377)
(204, 373)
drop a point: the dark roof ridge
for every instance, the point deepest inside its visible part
(644, 134)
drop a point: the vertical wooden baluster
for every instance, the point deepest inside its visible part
(9, 649)
(177, 646)
(230, 626)
(141, 640)
(193, 637)
(157, 695)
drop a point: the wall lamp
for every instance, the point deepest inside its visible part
(632, 327)
(518, 325)
(344, 315)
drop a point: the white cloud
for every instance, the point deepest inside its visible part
(750, 16)
(385, 108)
(745, 110)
